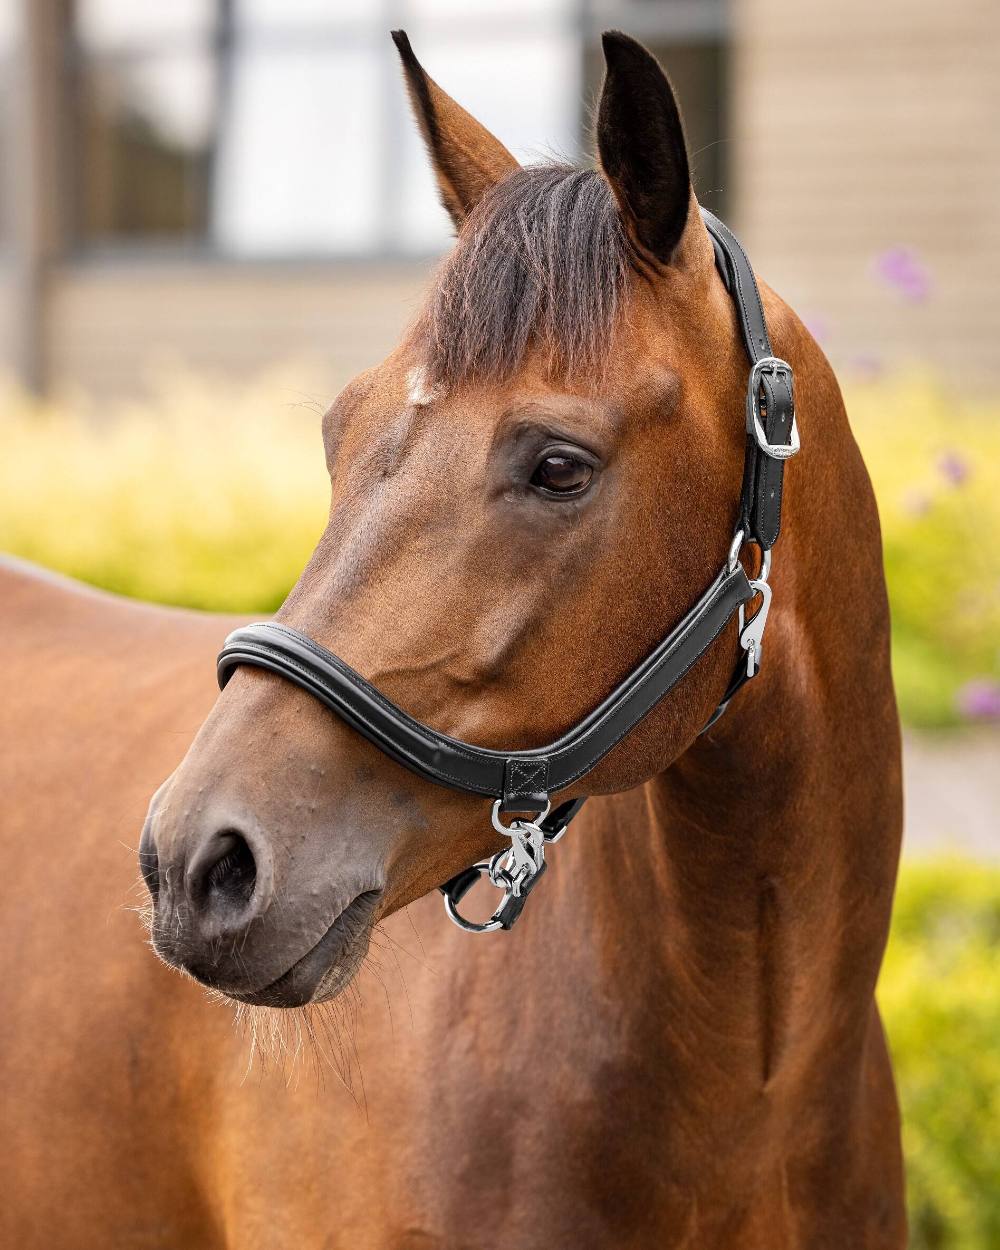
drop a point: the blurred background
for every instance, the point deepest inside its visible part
(215, 212)
(226, 182)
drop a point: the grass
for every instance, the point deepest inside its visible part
(212, 494)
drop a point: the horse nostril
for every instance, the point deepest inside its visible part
(227, 875)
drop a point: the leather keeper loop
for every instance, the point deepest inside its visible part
(525, 786)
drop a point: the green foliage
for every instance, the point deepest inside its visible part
(940, 998)
(209, 495)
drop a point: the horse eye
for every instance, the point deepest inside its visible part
(562, 475)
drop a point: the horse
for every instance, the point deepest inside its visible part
(678, 1045)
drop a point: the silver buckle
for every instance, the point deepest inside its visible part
(777, 451)
(512, 870)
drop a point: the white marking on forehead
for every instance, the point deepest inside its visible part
(420, 393)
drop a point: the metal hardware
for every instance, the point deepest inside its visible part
(451, 902)
(735, 547)
(512, 868)
(752, 630)
(553, 836)
(777, 451)
(515, 869)
(500, 827)
(733, 559)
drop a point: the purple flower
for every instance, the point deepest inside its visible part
(901, 268)
(953, 468)
(979, 699)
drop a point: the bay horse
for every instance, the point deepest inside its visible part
(678, 1045)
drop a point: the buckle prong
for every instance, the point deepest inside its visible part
(777, 451)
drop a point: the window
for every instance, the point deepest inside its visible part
(688, 38)
(281, 127)
(145, 78)
(277, 128)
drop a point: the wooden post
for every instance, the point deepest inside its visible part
(36, 79)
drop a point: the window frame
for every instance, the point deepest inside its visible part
(582, 22)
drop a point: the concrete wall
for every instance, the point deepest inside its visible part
(862, 126)
(109, 324)
(7, 343)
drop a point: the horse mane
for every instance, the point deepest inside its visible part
(541, 262)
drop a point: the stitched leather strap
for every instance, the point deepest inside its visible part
(523, 780)
(760, 496)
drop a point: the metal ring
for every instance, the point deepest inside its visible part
(500, 827)
(493, 870)
(735, 547)
(471, 926)
(734, 556)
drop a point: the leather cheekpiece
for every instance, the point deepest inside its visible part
(760, 495)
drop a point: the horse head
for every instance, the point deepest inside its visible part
(525, 495)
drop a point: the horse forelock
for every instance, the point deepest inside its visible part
(541, 263)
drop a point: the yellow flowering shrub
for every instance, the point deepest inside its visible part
(209, 494)
(935, 464)
(940, 999)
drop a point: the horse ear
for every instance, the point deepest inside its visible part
(467, 159)
(641, 145)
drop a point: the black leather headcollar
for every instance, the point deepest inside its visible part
(771, 404)
(523, 780)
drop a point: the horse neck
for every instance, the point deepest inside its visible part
(755, 874)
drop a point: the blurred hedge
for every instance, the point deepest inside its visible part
(212, 494)
(940, 998)
(208, 495)
(935, 464)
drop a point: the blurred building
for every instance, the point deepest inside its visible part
(230, 182)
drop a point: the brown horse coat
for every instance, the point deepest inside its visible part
(678, 1045)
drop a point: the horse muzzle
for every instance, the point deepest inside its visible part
(225, 915)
